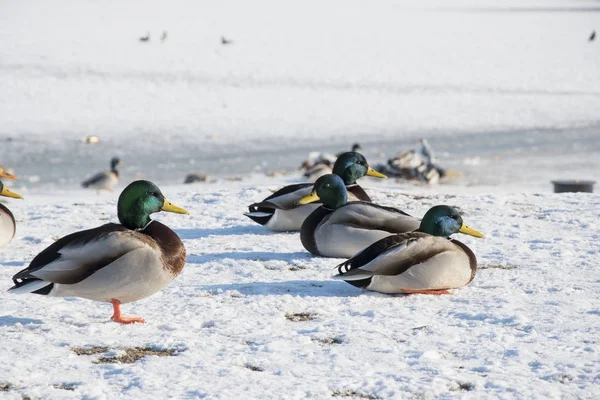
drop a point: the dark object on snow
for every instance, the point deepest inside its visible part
(191, 178)
(164, 36)
(145, 39)
(573, 186)
(592, 36)
(418, 164)
(225, 41)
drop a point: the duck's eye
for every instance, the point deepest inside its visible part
(327, 185)
(360, 162)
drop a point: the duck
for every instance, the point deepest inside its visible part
(6, 173)
(425, 261)
(8, 225)
(340, 229)
(317, 170)
(281, 212)
(105, 180)
(115, 263)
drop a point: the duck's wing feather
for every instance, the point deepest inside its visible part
(361, 214)
(73, 258)
(393, 255)
(285, 198)
(96, 179)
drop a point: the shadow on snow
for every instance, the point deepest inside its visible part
(301, 288)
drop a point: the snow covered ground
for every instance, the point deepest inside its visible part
(507, 94)
(526, 327)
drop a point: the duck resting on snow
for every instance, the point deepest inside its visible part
(104, 180)
(425, 261)
(339, 228)
(115, 263)
(281, 212)
(7, 220)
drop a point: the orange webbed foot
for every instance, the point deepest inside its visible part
(117, 317)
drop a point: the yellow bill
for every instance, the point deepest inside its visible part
(375, 174)
(311, 198)
(8, 193)
(167, 206)
(468, 231)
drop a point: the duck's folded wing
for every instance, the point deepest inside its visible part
(96, 179)
(365, 215)
(285, 198)
(393, 255)
(75, 257)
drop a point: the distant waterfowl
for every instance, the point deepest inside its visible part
(92, 139)
(281, 211)
(104, 180)
(418, 164)
(7, 173)
(316, 171)
(196, 177)
(8, 225)
(225, 41)
(592, 36)
(115, 263)
(425, 261)
(146, 38)
(339, 228)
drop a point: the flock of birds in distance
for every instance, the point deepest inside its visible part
(146, 38)
(388, 250)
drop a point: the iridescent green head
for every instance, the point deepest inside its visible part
(330, 190)
(138, 201)
(444, 221)
(7, 193)
(351, 166)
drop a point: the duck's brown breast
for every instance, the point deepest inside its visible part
(172, 249)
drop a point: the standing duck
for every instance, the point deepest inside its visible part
(281, 212)
(8, 225)
(339, 228)
(425, 261)
(115, 263)
(104, 180)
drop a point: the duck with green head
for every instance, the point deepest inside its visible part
(105, 180)
(339, 228)
(281, 212)
(425, 261)
(8, 226)
(115, 263)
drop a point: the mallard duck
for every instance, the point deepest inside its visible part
(5, 173)
(104, 180)
(313, 173)
(7, 220)
(116, 263)
(425, 261)
(281, 212)
(339, 228)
